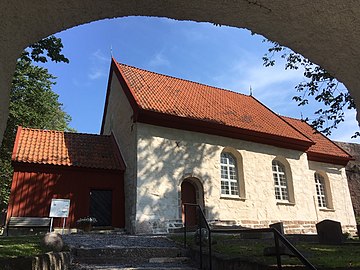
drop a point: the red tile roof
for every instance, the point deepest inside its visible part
(66, 149)
(217, 111)
(323, 145)
(168, 95)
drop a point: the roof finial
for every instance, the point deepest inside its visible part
(250, 90)
(111, 51)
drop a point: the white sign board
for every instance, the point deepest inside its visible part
(59, 208)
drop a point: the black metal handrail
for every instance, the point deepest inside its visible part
(277, 236)
(201, 217)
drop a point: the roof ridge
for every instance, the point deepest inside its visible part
(280, 117)
(181, 79)
(285, 116)
(62, 131)
(318, 132)
(330, 140)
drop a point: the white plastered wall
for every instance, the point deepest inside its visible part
(166, 156)
(119, 121)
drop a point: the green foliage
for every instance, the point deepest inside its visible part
(11, 247)
(51, 45)
(33, 104)
(319, 85)
(27, 245)
(357, 218)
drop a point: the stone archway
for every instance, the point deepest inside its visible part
(326, 32)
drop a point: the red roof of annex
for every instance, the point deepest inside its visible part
(51, 147)
(323, 145)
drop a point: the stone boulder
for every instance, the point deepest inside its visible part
(53, 242)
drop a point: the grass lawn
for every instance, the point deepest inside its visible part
(14, 246)
(321, 256)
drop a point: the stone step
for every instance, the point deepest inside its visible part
(134, 255)
(115, 267)
(169, 260)
(127, 267)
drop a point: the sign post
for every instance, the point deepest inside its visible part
(59, 208)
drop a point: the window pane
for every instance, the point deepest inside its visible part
(280, 181)
(224, 172)
(320, 190)
(231, 160)
(229, 178)
(224, 187)
(277, 193)
(232, 173)
(234, 188)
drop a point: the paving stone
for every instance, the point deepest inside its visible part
(124, 254)
(169, 260)
(114, 267)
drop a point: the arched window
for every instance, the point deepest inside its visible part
(320, 190)
(229, 175)
(280, 181)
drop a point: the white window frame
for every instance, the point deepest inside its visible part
(230, 178)
(320, 191)
(280, 181)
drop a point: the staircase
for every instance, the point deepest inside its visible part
(130, 253)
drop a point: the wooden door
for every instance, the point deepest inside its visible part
(101, 207)
(188, 195)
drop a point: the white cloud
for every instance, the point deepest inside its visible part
(272, 85)
(98, 55)
(96, 73)
(259, 77)
(159, 59)
(193, 35)
(80, 83)
(264, 78)
(99, 65)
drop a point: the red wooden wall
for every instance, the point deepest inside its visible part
(33, 188)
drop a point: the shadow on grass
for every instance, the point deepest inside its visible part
(15, 246)
(345, 256)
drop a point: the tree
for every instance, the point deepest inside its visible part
(33, 104)
(319, 85)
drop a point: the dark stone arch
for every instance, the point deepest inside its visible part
(325, 32)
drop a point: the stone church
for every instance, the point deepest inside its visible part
(182, 141)
(166, 141)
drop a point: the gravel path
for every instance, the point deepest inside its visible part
(98, 240)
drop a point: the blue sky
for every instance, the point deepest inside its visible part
(225, 57)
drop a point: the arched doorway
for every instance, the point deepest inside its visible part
(191, 192)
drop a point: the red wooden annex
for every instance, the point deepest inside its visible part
(85, 168)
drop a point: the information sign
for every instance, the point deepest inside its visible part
(59, 208)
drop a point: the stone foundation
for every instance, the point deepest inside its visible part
(158, 226)
(296, 226)
(290, 227)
